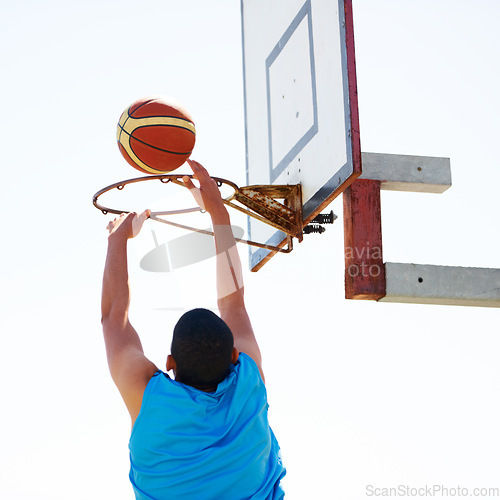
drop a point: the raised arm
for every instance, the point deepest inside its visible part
(128, 366)
(230, 290)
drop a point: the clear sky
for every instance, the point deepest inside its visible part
(362, 394)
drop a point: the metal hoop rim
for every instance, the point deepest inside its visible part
(175, 178)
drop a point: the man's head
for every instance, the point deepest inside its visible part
(202, 349)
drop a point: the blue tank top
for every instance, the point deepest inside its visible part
(188, 444)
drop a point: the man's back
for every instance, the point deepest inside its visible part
(186, 443)
(190, 444)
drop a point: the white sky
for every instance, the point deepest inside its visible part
(361, 393)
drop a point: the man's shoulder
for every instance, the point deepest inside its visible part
(247, 371)
(247, 363)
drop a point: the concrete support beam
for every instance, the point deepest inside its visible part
(366, 277)
(445, 285)
(422, 174)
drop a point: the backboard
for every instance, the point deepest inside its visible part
(301, 110)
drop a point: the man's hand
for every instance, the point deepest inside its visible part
(207, 195)
(128, 225)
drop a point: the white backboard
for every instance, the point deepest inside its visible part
(300, 103)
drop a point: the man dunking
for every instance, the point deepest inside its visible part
(204, 435)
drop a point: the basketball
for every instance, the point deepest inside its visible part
(156, 135)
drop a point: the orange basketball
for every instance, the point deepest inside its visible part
(156, 135)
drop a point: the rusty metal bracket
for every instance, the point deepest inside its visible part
(264, 205)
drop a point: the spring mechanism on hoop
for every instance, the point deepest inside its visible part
(315, 225)
(314, 228)
(325, 218)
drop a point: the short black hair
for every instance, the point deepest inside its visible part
(202, 347)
